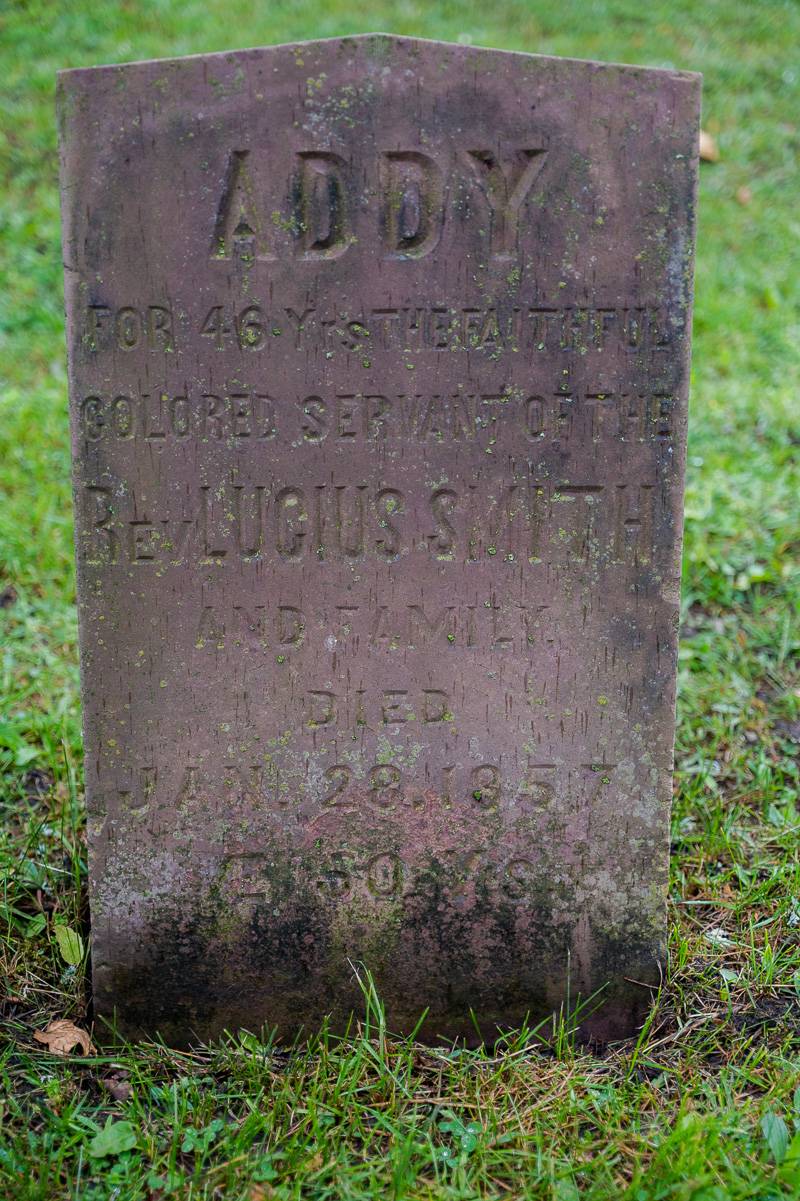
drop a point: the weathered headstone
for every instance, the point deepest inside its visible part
(378, 369)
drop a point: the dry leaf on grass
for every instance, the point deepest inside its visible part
(709, 150)
(63, 1036)
(119, 1088)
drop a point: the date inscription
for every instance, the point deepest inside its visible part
(357, 787)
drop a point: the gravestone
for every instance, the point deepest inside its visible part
(378, 371)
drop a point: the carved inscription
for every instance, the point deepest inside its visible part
(534, 328)
(234, 414)
(533, 521)
(378, 374)
(324, 218)
(381, 787)
(350, 871)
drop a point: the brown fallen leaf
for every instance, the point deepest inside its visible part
(709, 150)
(118, 1086)
(62, 1036)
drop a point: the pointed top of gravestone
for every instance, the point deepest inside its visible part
(382, 39)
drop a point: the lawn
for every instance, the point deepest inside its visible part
(705, 1105)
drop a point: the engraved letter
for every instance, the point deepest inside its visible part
(320, 708)
(105, 547)
(435, 705)
(633, 527)
(322, 215)
(424, 630)
(412, 203)
(388, 501)
(291, 516)
(291, 625)
(238, 231)
(506, 186)
(443, 502)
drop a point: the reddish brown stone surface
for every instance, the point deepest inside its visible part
(378, 369)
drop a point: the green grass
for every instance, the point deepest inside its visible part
(706, 1104)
